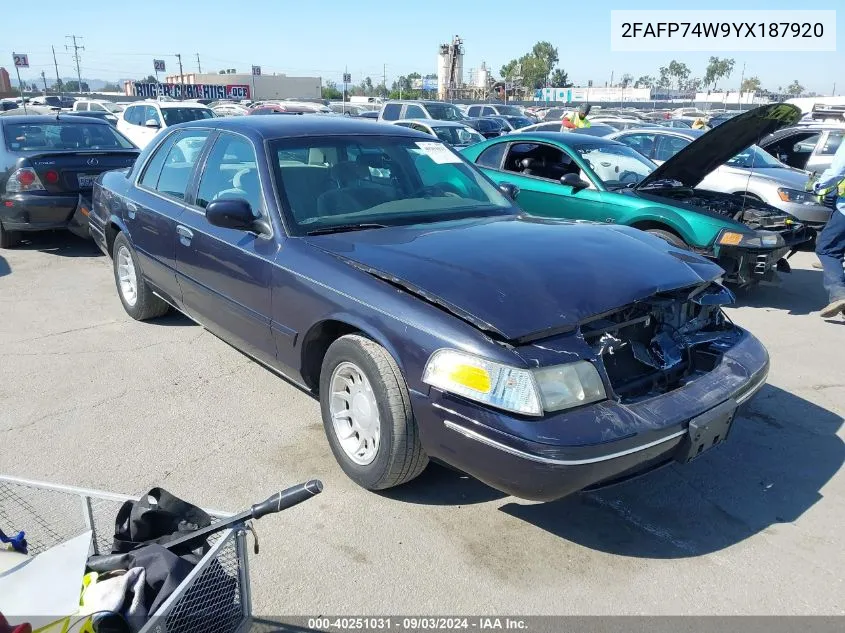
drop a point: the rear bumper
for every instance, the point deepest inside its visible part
(462, 435)
(28, 212)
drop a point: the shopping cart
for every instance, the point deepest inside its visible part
(215, 597)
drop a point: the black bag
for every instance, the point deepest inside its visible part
(157, 517)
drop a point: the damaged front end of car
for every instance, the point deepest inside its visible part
(660, 343)
(747, 256)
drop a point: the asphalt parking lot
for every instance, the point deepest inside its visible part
(91, 398)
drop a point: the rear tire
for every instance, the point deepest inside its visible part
(138, 300)
(9, 239)
(399, 456)
(673, 239)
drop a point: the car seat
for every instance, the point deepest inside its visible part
(71, 136)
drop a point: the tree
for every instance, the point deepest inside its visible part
(679, 71)
(795, 89)
(111, 87)
(509, 70)
(73, 86)
(750, 84)
(627, 80)
(718, 69)
(692, 85)
(151, 80)
(222, 71)
(330, 91)
(665, 80)
(646, 81)
(545, 56)
(560, 79)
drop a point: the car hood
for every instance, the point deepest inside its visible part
(719, 145)
(521, 278)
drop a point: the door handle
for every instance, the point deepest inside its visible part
(131, 210)
(185, 234)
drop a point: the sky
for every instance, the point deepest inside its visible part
(375, 39)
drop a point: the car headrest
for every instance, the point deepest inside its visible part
(347, 172)
(247, 180)
(71, 134)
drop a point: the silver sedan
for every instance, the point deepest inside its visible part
(753, 172)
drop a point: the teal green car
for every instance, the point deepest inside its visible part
(581, 177)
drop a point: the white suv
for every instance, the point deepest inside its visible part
(142, 120)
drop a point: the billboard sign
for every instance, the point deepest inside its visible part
(192, 91)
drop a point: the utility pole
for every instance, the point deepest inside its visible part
(58, 79)
(44, 79)
(741, 80)
(199, 66)
(179, 57)
(384, 78)
(76, 49)
(833, 94)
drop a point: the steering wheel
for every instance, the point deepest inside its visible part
(439, 190)
(629, 176)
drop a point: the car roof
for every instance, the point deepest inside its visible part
(307, 125)
(173, 104)
(422, 101)
(46, 118)
(564, 138)
(433, 122)
(666, 131)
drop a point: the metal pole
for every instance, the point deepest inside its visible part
(253, 83)
(76, 49)
(181, 77)
(199, 66)
(20, 84)
(741, 79)
(158, 87)
(44, 79)
(58, 79)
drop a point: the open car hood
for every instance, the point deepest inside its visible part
(719, 145)
(521, 278)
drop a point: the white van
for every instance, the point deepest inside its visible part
(371, 100)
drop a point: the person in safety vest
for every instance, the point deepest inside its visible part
(699, 124)
(830, 243)
(577, 119)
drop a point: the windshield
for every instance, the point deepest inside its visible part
(616, 165)
(172, 116)
(444, 112)
(64, 135)
(345, 180)
(112, 107)
(754, 157)
(457, 135)
(519, 122)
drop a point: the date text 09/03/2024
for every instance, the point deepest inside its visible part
(416, 623)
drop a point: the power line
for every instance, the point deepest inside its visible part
(76, 49)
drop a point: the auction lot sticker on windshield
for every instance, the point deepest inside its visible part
(438, 152)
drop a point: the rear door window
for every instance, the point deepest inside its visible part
(150, 114)
(473, 110)
(668, 146)
(831, 143)
(414, 112)
(643, 143)
(492, 156)
(391, 111)
(176, 165)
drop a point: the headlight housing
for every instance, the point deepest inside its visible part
(523, 391)
(757, 239)
(798, 197)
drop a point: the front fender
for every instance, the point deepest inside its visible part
(699, 232)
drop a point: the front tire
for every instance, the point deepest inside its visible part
(138, 300)
(367, 415)
(9, 239)
(670, 237)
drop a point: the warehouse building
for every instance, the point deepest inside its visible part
(276, 86)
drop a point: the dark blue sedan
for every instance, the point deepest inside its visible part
(384, 273)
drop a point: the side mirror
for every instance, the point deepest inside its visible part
(574, 181)
(232, 213)
(510, 190)
(151, 123)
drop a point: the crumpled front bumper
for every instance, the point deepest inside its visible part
(642, 436)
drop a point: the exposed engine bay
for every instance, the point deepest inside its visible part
(753, 213)
(661, 343)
